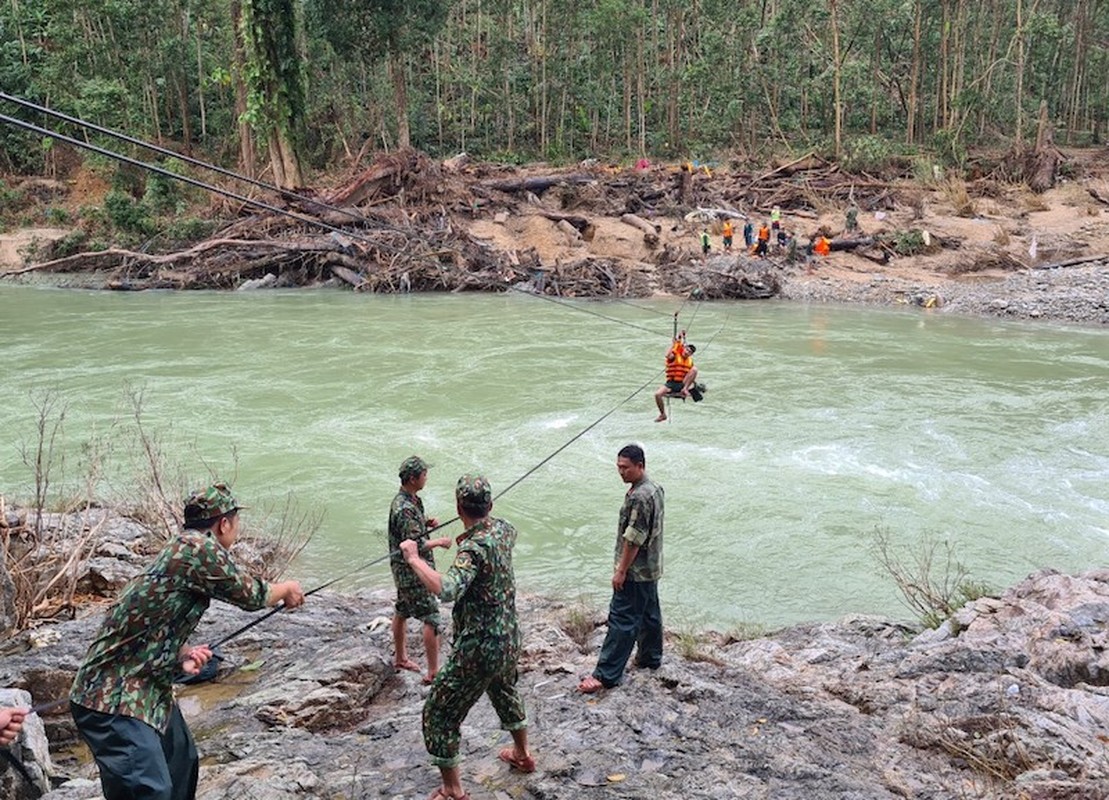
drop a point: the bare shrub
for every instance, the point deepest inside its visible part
(933, 583)
(284, 531)
(956, 193)
(1001, 237)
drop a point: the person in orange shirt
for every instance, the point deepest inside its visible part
(680, 373)
(763, 243)
(728, 230)
(823, 245)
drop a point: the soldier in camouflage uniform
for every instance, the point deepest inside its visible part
(634, 615)
(482, 586)
(407, 522)
(122, 697)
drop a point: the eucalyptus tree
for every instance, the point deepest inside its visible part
(275, 81)
(399, 30)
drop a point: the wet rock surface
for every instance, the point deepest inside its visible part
(1007, 699)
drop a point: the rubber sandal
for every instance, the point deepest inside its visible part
(525, 764)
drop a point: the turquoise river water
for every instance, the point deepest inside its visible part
(823, 427)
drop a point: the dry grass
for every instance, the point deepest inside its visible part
(1001, 237)
(955, 192)
(579, 623)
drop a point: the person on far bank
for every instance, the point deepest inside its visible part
(11, 722)
(729, 230)
(487, 642)
(408, 523)
(122, 698)
(634, 614)
(706, 243)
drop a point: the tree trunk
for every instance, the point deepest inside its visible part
(914, 77)
(247, 156)
(400, 98)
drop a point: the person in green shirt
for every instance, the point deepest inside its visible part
(122, 697)
(407, 521)
(634, 615)
(482, 586)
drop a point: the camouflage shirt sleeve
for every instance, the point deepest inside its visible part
(461, 573)
(638, 526)
(213, 573)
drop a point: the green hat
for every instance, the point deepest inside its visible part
(215, 501)
(473, 490)
(412, 467)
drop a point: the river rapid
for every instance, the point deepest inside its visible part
(823, 428)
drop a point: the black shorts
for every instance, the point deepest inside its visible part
(674, 386)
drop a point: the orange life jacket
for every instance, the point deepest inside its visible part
(822, 246)
(677, 365)
(728, 229)
(764, 233)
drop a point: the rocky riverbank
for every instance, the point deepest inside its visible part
(1075, 294)
(1008, 699)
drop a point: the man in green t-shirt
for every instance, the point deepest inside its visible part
(634, 615)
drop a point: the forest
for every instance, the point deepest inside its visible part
(288, 87)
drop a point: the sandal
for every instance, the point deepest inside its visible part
(440, 794)
(525, 764)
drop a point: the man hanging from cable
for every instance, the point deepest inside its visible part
(680, 375)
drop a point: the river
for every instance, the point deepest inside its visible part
(822, 429)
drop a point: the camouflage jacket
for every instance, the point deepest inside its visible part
(407, 521)
(641, 524)
(129, 668)
(482, 585)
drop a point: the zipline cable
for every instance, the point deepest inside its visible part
(202, 185)
(180, 157)
(499, 494)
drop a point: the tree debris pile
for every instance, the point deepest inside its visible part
(403, 224)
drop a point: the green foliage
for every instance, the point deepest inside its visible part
(949, 148)
(184, 230)
(72, 243)
(56, 216)
(866, 154)
(162, 194)
(127, 214)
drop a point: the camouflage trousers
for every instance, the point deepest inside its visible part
(457, 687)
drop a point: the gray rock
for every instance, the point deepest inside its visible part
(308, 706)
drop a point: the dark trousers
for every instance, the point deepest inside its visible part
(136, 762)
(634, 620)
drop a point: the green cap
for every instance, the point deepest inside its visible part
(412, 467)
(215, 501)
(473, 490)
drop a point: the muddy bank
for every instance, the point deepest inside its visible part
(1006, 699)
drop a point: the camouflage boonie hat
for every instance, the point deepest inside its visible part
(412, 467)
(473, 490)
(215, 501)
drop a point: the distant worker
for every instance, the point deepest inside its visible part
(775, 218)
(763, 240)
(728, 235)
(748, 235)
(852, 218)
(822, 246)
(783, 237)
(706, 245)
(680, 373)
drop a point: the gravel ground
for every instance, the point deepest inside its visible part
(1078, 294)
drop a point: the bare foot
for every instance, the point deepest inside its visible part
(660, 418)
(427, 679)
(407, 664)
(590, 685)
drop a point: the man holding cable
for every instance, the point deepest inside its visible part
(482, 585)
(122, 697)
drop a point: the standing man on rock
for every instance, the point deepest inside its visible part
(122, 697)
(634, 615)
(408, 523)
(482, 585)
